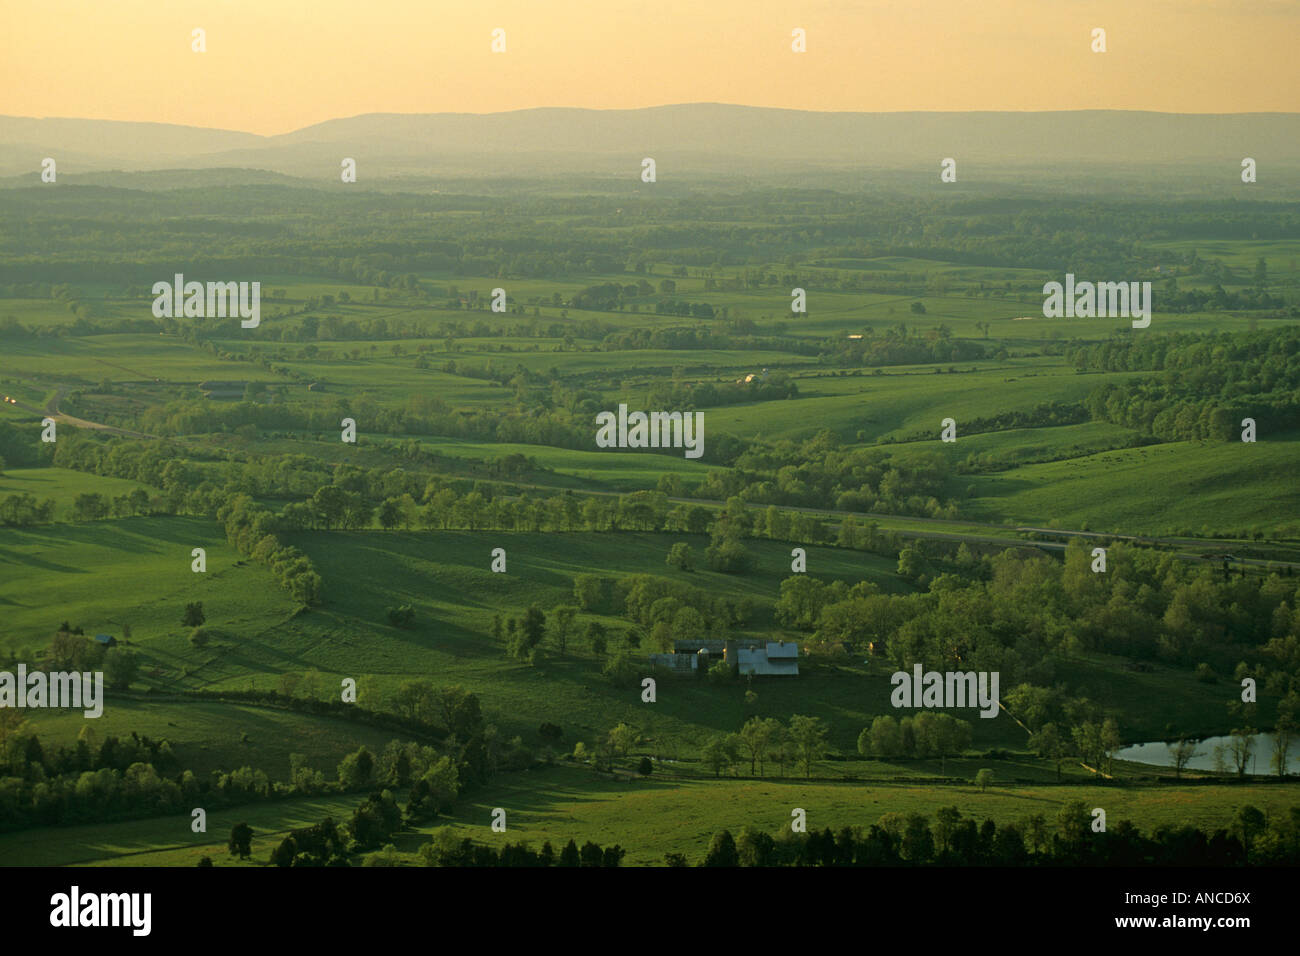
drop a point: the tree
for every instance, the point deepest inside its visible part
(90, 507)
(357, 769)
(719, 753)
(241, 841)
(727, 554)
(193, 616)
(1288, 714)
(661, 636)
(722, 850)
(918, 841)
(946, 820)
(13, 723)
(755, 848)
(1049, 743)
(983, 779)
(645, 767)
(809, 736)
(687, 622)
(1250, 821)
(1110, 741)
(436, 790)
(681, 556)
(1241, 746)
(533, 626)
(1073, 828)
(531, 631)
(459, 711)
(621, 667)
(622, 739)
(330, 505)
(595, 635)
(1087, 738)
(570, 856)
(561, 623)
(801, 602)
(375, 820)
(613, 855)
(390, 514)
(943, 735)
(1031, 705)
(912, 565)
(415, 699)
(283, 854)
(589, 590)
(756, 738)
(883, 738)
(120, 667)
(1181, 753)
(1036, 827)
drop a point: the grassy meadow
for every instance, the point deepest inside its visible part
(377, 309)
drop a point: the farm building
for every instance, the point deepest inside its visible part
(770, 657)
(105, 640)
(700, 645)
(747, 657)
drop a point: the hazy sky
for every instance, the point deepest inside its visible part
(276, 65)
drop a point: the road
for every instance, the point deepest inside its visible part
(51, 410)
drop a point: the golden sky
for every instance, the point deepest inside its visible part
(272, 66)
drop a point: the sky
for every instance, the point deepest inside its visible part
(272, 66)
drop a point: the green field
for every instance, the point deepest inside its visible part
(445, 576)
(212, 736)
(63, 486)
(135, 571)
(614, 470)
(1202, 487)
(648, 818)
(377, 308)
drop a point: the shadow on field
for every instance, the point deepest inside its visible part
(535, 794)
(31, 561)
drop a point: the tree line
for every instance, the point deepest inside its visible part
(954, 839)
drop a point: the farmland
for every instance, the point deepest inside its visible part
(648, 818)
(402, 509)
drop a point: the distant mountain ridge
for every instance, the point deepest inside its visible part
(744, 138)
